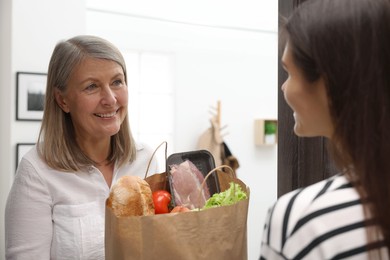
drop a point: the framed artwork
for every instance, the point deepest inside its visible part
(30, 95)
(22, 149)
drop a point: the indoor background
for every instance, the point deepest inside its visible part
(182, 56)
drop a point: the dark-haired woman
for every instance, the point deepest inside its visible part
(337, 57)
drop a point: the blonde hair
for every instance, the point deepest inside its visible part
(56, 142)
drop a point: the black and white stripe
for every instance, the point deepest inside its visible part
(322, 221)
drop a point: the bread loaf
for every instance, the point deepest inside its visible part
(131, 196)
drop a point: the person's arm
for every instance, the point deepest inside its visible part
(267, 250)
(276, 232)
(28, 216)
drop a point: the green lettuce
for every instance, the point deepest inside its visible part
(227, 197)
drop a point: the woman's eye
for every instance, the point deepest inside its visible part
(117, 83)
(91, 87)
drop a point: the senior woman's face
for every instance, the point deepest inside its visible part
(96, 98)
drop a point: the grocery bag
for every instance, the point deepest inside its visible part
(215, 233)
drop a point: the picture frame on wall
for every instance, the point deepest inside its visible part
(30, 95)
(21, 150)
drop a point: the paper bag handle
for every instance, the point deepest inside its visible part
(212, 171)
(151, 158)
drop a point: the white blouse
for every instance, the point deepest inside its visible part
(59, 215)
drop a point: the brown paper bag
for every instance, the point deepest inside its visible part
(216, 233)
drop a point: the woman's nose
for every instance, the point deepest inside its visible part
(283, 86)
(108, 97)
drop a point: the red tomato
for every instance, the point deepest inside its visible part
(161, 200)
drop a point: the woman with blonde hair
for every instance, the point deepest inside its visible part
(56, 206)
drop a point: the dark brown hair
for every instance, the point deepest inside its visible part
(347, 42)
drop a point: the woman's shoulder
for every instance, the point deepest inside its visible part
(32, 171)
(301, 216)
(317, 190)
(144, 151)
(291, 207)
(142, 146)
(144, 161)
(334, 190)
(31, 158)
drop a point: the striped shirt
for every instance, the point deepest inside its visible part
(322, 221)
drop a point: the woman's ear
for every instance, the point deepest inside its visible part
(61, 100)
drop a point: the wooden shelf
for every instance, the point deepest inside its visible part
(261, 129)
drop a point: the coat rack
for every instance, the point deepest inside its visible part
(219, 113)
(212, 140)
(216, 113)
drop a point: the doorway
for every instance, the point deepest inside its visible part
(301, 161)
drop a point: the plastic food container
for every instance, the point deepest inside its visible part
(204, 162)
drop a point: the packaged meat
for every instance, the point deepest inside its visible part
(187, 172)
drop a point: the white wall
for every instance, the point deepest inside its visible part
(5, 113)
(245, 84)
(230, 57)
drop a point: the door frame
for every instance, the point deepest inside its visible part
(301, 161)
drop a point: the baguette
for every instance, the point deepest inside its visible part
(131, 196)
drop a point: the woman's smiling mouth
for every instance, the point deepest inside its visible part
(107, 115)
